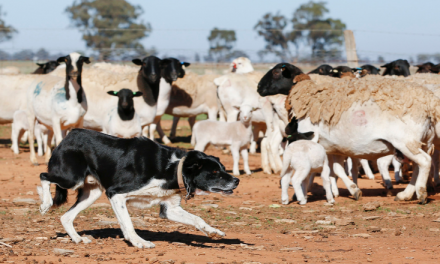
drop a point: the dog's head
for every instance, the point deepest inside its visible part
(206, 173)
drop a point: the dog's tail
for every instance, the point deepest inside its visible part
(45, 197)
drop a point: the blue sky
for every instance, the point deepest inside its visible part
(392, 28)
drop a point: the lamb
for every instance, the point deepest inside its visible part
(355, 109)
(238, 135)
(241, 65)
(122, 121)
(20, 125)
(57, 103)
(301, 158)
(45, 68)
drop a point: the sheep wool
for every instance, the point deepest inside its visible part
(328, 101)
(191, 81)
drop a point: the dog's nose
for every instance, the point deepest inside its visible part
(236, 181)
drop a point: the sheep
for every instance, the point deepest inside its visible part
(241, 65)
(397, 67)
(192, 95)
(324, 69)
(238, 135)
(301, 158)
(355, 109)
(122, 121)
(44, 68)
(57, 103)
(20, 125)
(171, 70)
(103, 77)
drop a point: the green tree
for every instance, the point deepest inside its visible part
(272, 29)
(111, 27)
(221, 42)
(6, 31)
(324, 35)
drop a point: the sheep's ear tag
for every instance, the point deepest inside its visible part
(115, 93)
(182, 62)
(289, 136)
(283, 67)
(335, 70)
(134, 93)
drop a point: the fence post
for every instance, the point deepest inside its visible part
(350, 49)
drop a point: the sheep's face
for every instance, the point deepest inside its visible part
(369, 69)
(427, 67)
(241, 65)
(337, 72)
(48, 66)
(324, 69)
(171, 69)
(74, 63)
(246, 113)
(397, 67)
(150, 68)
(125, 100)
(278, 80)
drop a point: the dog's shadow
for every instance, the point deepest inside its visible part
(175, 236)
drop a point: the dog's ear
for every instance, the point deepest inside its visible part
(191, 168)
(216, 158)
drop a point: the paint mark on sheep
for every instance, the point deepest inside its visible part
(359, 118)
(38, 88)
(60, 95)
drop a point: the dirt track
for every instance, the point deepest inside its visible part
(258, 229)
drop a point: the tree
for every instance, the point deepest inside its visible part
(6, 32)
(110, 26)
(4, 55)
(24, 55)
(221, 43)
(325, 35)
(272, 29)
(380, 59)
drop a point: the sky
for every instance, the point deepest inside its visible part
(391, 28)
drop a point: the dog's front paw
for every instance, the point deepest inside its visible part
(140, 243)
(86, 240)
(216, 234)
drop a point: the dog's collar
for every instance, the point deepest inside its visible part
(180, 174)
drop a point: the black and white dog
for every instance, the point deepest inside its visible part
(137, 171)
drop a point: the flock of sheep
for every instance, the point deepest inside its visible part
(335, 118)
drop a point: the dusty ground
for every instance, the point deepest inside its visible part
(258, 229)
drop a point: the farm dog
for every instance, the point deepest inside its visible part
(137, 171)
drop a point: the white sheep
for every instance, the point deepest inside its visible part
(301, 158)
(241, 65)
(238, 135)
(20, 125)
(122, 120)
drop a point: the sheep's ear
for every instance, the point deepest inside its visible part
(186, 64)
(113, 93)
(137, 62)
(137, 94)
(85, 59)
(62, 59)
(255, 109)
(385, 66)
(237, 107)
(40, 64)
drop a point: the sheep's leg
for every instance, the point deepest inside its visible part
(275, 143)
(212, 114)
(31, 120)
(244, 154)
(174, 126)
(285, 180)
(383, 165)
(299, 176)
(333, 178)
(305, 185)
(236, 157)
(253, 147)
(397, 170)
(311, 179)
(191, 121)
(325, 176)
(16, 134)
(418, 181)
(435, 162)
(145, 131)
(348, 166)
(367, 169)
(39, 137)
(159, 129)
(355, 170)
(265, 157)
(338, 167)
(152, 131)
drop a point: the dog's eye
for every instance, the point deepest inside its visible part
(215, 172)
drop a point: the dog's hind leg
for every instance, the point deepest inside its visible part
(119, 205)
(172, 210)
(86, 197)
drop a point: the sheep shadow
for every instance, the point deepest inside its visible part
(154, 236)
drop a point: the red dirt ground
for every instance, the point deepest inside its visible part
(258, 228)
